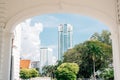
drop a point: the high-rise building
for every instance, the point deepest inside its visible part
(65, 32)
(45, 57)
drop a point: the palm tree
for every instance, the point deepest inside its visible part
(95, 52)
(48, 70)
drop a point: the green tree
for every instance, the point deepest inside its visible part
(67, 71)
(95, 52)
(48, 70)
(88, 54)
(104, 37)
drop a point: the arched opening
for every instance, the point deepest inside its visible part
(62, 7)
(78, 21)
(84, 10)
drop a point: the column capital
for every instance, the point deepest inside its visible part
(118, 11)
(8, 34)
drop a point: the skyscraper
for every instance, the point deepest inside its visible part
(64, 39)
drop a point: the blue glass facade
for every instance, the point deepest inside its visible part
(64, 39)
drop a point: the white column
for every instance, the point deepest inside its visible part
(6, 55)
(116, 53)
(1, 51)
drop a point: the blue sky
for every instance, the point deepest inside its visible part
(83, 28)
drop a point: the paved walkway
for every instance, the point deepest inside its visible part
(41, 78)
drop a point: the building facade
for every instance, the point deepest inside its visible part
(65, 39)
(35, 64)
(45, 57)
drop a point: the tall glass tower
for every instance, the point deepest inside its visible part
(64, 39)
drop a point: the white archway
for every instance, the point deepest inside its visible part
(61, 6)
(84, 10)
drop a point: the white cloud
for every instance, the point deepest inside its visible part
(30, 40)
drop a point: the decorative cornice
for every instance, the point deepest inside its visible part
(118, 11)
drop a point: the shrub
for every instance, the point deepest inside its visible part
(24, 74)
(65, 75)
(33, 73)
(28, 73)
(107, 74)
(67, 71)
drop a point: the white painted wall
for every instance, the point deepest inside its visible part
(16, 53)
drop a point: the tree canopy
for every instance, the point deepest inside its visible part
(104, 37)
(85, 54)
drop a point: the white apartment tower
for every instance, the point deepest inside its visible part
(45, 57)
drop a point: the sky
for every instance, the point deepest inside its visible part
(43, 30)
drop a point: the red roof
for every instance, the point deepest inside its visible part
(24, 64)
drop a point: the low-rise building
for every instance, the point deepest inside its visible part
(25, 64)
(35, 64)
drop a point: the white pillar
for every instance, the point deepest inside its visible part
(6, 55)
(116, 53)
(1, 51)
